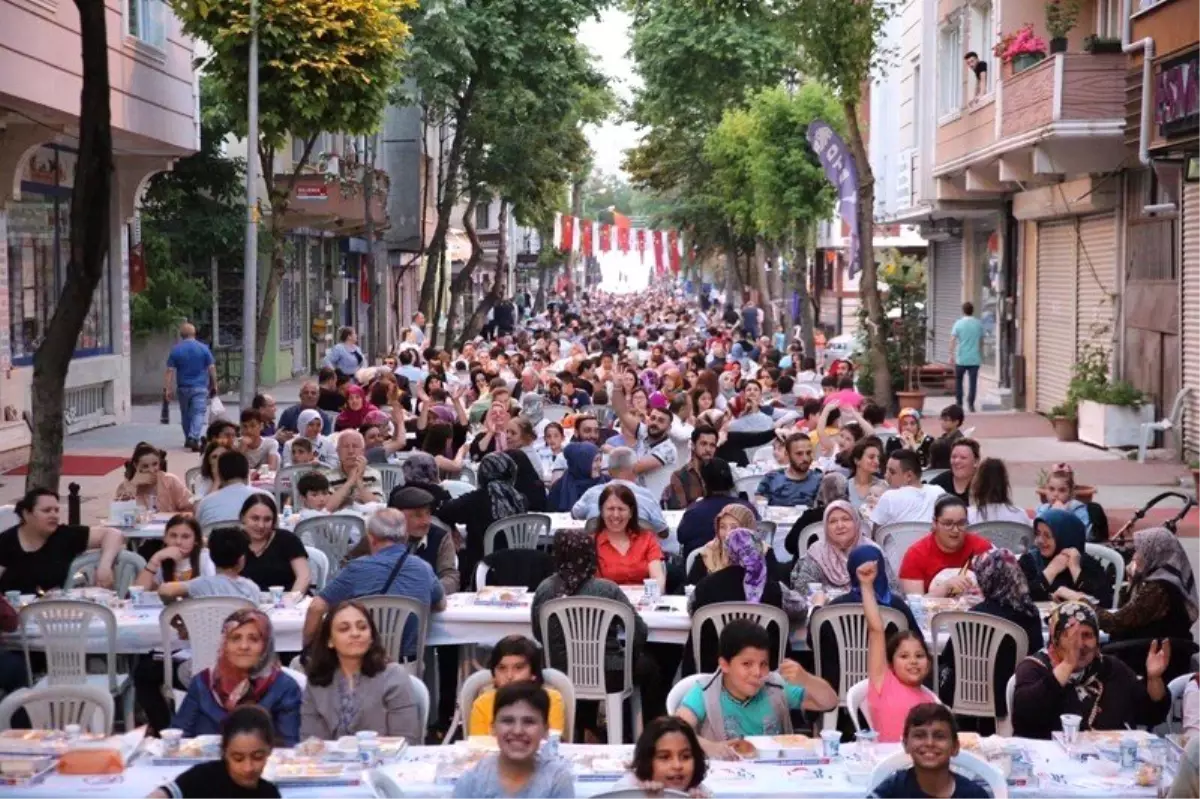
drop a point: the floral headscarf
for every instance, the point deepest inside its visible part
(350, 418)
(834, 486)
(420, 467)
(915, 415)
(1001, 580)
(830, 558)
(1086, 682)
(574, 560)
(230, 685)
(532, 408)
(745, 551)
(1161, 558)
(498, 476)
(714, 554)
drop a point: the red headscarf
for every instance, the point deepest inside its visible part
(349, 419)
(232, 686)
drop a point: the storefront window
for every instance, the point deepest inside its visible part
(39, 244)
(990, 269)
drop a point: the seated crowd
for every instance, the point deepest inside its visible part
(610, 424)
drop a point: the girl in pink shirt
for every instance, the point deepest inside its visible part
(896, 667)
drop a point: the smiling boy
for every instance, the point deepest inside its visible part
(931, 740)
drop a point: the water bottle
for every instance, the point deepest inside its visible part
(916, 603)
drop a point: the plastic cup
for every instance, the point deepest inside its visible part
(865, 741)
(172, 739)
(277, 595)
(1070, 727)
(688, 590)
(650, 589)
(13, 597)
(135, 594)
(831, 742)
(368, 751)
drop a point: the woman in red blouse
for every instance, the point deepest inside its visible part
(625, 554)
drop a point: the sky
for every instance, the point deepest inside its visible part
(608, 39)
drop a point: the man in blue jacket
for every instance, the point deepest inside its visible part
(194, 371)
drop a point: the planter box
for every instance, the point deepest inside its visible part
(1112, 425)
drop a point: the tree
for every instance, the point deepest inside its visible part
(324, 66)
(90, 199)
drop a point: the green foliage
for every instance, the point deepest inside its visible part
(172, 295)
(904, 339)
(1091, 379)
(1061, 16)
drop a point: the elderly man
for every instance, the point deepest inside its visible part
(621, 469)
(193, 369)
(390, 570)
(353, 480)
(289, 420)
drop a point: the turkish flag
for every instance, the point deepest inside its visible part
(605, 237)
(585, 237)
(623, 239)
(137, 269)
(641, 244)
(621, 221)
(364, 281)
(568, 233)
(658, 252)
(673, 250)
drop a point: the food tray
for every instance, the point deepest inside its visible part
(38, 743)
(501, 595)
(15, 771)
(314, 774)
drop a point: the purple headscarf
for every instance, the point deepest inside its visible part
(742, 546)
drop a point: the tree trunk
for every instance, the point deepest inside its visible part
(270, 291)
(732, 279)
(91, 218)
(475, 323)
(800, 276)
(869, 283)
(577, 212)
(379, 306)
(762, 277)
(461, 281)
(436, 322)
(449, 193)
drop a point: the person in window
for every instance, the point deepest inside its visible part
(931, 740)
(36, 555)
(979, 69)
(1058, 561)
(247, 737)
(148, 483)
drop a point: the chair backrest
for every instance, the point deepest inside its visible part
(456, 488)
(691, 558)
(585, 623)
(1175, 688)
(203, 617)
(753, 453)
(481, 681)
(468, 476)
(1176, 415)
(748, 485)
(421, 694)
(54, 707)
(1110, 558)
(849, 626)
(391, 615)
(928, 475)
(555, 413)
(522, 531)
(963, 763)
(976, 638)
(481, 573)
(190, 477)
(1004, 726)
(680, 690)
(382, 785)
(126, 567)
(811, 534)
(392, 477)
(206, 529)
(299, 676)
(895, 539)
(334, 535)
(767, 530)
(856, 702)
(1017, 538)
(64, 627)
(318, 563)
(285, 483)
(721, 613)
(638, 793)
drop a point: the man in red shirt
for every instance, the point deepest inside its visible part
(948, 546)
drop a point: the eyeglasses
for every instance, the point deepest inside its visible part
(953, 525)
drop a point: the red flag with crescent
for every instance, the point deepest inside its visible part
(641, 244)
(568, 233)
(658, 252)
(585, 237)
(605, 237)
(673, 250)
(623, 239)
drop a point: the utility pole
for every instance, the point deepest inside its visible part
(250, 264)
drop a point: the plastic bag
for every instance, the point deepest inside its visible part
(216, 409)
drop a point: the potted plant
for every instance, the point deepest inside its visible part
(1066, 423)
(1101, 44)
(1061, 16)
(904, 307)
(1021, 49)
(1110, 412)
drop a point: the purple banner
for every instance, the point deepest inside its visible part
(838, 162)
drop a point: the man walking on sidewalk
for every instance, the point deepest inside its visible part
(966, 338)
(194, 370)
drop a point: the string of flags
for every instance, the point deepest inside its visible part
(587, 236)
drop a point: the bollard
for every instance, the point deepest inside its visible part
(73, 502)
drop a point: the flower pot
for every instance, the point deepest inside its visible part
(1082, 493)
(1024, 61)
(1058, 44)
(1065, 428)
(911, 399)
(1112, 425)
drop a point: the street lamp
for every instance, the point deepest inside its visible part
(250, 254)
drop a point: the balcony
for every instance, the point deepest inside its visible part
(334, 203)
(1064, 116)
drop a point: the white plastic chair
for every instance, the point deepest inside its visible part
(391, 476)
(421, 694)
(1110, 557)
(334, 535)
(585, 623)
(203, 617)
(856, 702)
(691, 558)
(64, 628)
(680, 690)
(382, 785)
(296, 674)
(53, 708)
(720, 614)
(391, 614)
(929, 475)
(555, 413)
(1017, 538)
(748, 485)
(1172, 422)
(805, 540)
(963, 763)
(456, 488)
(976, 638)
(285, 483)
(522, 531)
(318, 563)
(1175, 688)
(190, 477)
(206, 529)
(468, 476)
(895, 539)
(481, 573)
(126, 567)
(481, 681)
(849, 625)
(1004, 726)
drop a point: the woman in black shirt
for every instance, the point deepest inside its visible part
(277, 557)
(964, 461)
(247, 737)
(496, 498)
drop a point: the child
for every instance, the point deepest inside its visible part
(259, 451)
(514, 658)
(896, 666)
(745, 698)
(228, 548)
(313, 488)
(1060, 493)
(667, 756)
(302, 452)
(931, 740)
(952, 418)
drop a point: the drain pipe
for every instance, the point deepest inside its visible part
(1146, 47)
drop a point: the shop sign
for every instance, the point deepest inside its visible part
(312, 192)
(1177, 95)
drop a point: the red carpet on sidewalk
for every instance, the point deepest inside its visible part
(81, 465)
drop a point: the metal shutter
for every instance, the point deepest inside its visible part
(1190, 346)
(946, 297)
(1055, 311)
(1097, 264)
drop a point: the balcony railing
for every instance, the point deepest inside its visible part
(1065, 87)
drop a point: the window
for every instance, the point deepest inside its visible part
(950, 68)
(39, 244)
(982, 39)
(483, 216)
(917, 111)
(146, 21)
(1108, 18)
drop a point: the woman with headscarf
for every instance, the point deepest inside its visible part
(247, 672)
(575, 575)
(833, 486)
(1070, 675)
(494, 499)
(911, 437)
(310, 423)
(825, 561)
(713, 555)
(494, 436)
(696, 527)
(1058, 561)
(583, 471)
(355, 411)
(421, 471)
(1005, 596)
(519, 445)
